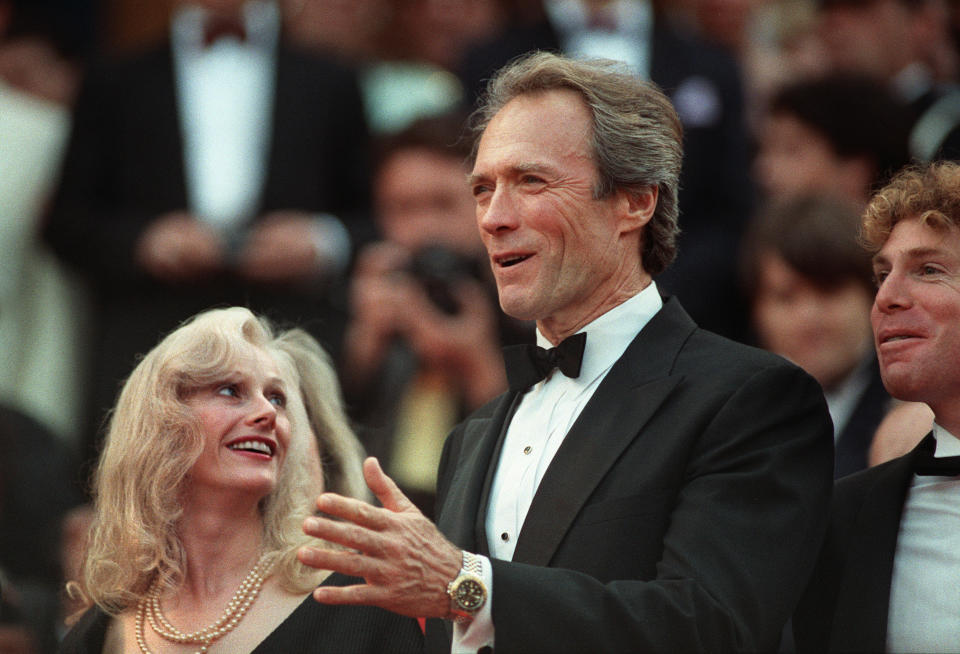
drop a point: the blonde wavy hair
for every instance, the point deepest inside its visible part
(152, 442)
(340, 452)
(928, 192)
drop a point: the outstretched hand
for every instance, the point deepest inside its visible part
(404, 559)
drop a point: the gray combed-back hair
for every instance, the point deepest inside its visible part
(637, 135)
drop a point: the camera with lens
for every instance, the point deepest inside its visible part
(438, 269)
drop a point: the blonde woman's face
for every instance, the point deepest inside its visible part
(243, 417)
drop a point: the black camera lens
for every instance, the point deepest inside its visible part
(438, 268)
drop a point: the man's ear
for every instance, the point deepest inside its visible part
(636, 208)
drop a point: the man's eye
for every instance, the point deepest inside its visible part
(278, 399)
(879, 276)
(532, 179)
(480, 189)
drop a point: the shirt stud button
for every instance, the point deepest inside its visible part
(527, 450)
(505, 537)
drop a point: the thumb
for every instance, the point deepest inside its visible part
(384, 488)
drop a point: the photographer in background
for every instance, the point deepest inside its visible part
(422, 348)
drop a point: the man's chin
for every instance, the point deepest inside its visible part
(903, 386)
(518, 307)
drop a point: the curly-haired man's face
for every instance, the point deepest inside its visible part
(916, 316)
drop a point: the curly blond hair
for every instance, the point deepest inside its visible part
(930, 193)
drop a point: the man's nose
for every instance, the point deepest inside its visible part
(499, 213)
(893, 293)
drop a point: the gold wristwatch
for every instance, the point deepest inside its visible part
(467, 592)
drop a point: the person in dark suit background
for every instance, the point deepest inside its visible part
(888, 578)
(705, 85)
(907, 45)
(668, 491)
(811, 289)
(219, 167)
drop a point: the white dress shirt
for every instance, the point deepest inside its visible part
(544, 416)
(225, 94)
(628, 38)
(225, 98)
(924, 611)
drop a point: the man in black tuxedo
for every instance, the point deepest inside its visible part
(888, 578)
(219, 167)
(665, 492)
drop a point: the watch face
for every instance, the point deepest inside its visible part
(470, 595)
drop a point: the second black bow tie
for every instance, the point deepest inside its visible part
(528, 364)
(925, 463)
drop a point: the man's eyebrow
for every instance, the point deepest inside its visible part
(473, 178)
(516, 169)
(914, 253)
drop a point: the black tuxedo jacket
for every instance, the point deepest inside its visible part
(716, 190)
(682, 513)
(845, 608)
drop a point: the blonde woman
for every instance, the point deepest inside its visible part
(208, 470)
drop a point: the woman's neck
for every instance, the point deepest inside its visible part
(222, 539)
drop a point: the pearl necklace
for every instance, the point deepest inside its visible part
(148, 610)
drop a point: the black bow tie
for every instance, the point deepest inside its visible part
(925, 463)
(528, 364)
(217, 27)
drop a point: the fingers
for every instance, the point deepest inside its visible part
(384, 488)
(398, 590)
(350, 511)
(356, 594)
(369, 595)
(346, 562)
(404, 559)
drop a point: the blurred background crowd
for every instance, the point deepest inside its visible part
(306, 158)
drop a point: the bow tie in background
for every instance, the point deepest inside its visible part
(216, 27)
(925, 463)
(528, 364)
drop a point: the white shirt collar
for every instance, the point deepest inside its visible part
(630, 41)
(572, 15)
(261, 19)
(947, 444)
(609, 335)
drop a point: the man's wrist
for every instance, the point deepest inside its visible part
(467, 591)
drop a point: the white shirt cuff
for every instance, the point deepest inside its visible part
(468, 637)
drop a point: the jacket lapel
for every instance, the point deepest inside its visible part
(864, 596)
(613, 418)
(461, 515)
(165, 165)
